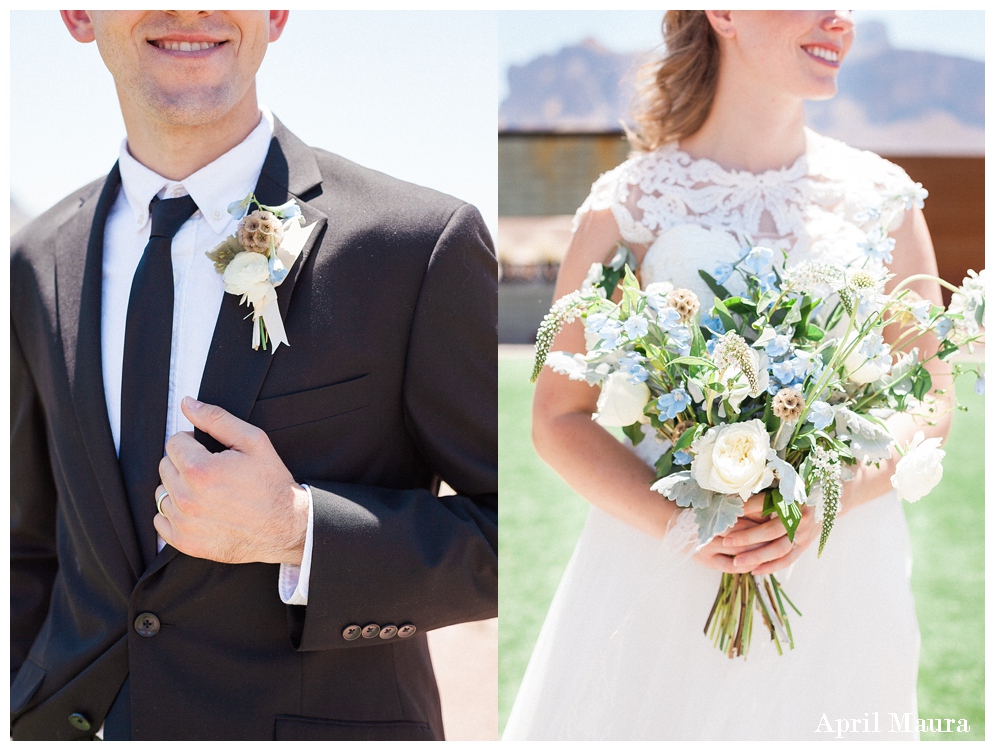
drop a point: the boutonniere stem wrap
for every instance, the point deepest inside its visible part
(256, 260)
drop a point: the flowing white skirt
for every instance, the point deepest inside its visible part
(622, 654)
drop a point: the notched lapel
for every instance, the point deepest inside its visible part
(234, 372)
(79, 281)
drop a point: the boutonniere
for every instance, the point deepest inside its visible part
(257, 258)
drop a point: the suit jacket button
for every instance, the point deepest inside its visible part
(406, 630)
(147, 624)
(79, 721)
(388, 632)
(370, 630)
(350, 632)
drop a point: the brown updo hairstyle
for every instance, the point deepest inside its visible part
(674, 95)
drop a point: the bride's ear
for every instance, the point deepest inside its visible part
(721, 21)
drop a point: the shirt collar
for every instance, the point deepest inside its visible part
(230, 177)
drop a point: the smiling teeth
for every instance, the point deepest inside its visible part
(186, 46)
(829, 55)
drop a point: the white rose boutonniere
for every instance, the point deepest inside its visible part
(734, 459)
(256, 259)
(920, 470)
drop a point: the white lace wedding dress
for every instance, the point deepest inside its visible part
(622, 654)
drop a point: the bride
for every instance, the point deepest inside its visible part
(721, 159)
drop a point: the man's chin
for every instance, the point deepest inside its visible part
(188, 109)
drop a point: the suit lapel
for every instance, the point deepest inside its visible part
(234, 372)
(79, 285)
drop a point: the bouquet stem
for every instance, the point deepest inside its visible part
(730, 622)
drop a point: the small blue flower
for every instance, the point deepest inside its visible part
(767, 282)
(680, 340)
(595, 321)
(778, 346)
(636, 326)
(758, 260)
(979, 385)
(288, 210)
(943, 326)
(637, 374)
(657, 302)
(872, 346)
(669, 319)
(673, 403)
(713, 323)
(277, 271)
(710, 345)
(722, 272)
(611, 332)
(682, 457)
(820, 414)
(238, 209)
(922, 309)
(878, 245)
(783, 372)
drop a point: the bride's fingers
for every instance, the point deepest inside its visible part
(772, 567)
(757, 533)
(753, 508)
(769, 552)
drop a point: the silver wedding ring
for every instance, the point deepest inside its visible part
(158, 501)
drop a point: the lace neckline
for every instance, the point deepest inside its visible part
(798, 167)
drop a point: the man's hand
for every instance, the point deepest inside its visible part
(239, 506)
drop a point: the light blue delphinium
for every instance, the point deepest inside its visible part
(758, 260)
(611, 332)
(943, 326)
(778, 346)
(783, 372)
(680, 341)
(979, 385)
(722, 272)
(669, 319)
(820, 414)
(713, 323)
(878, 245)
(922, 309)
(872, 346)
(595, 321)
(238, 209)
(767, 283)
(636, 326)
(682, 457)
(632, 366)
(673, 403)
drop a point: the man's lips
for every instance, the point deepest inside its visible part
(184, 45)
(824, 54)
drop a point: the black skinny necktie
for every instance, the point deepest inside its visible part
(145, 373)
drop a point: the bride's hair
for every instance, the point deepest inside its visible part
(674, 94)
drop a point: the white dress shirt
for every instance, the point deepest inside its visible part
(198, 289)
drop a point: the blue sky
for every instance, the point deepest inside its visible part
(413, 94)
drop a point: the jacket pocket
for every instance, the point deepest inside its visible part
(296, 728)
(25, 686)
(302, 407)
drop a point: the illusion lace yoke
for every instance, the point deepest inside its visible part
(834, 203)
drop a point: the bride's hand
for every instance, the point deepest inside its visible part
(718, 555)
(764, 548)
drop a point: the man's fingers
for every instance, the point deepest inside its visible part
(222, 425)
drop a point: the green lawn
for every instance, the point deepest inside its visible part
(541, 517)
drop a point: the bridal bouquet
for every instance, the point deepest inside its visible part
(779, 389)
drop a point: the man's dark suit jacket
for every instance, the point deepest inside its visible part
(388, 385)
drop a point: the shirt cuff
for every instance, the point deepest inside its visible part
(294, 579)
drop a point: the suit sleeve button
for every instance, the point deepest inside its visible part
(370, 630)
(350, 633)
(388, 632)
(147, 624)
(79, 721)
(406, 630)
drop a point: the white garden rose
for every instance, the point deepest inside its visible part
(920, 470)
(248, 274)
(733, 459)
(621, 402)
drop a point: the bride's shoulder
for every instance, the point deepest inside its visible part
(853, 168)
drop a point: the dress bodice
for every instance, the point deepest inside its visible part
(835, 203)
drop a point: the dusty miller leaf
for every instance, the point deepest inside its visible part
(720, 514)
(681, 488)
